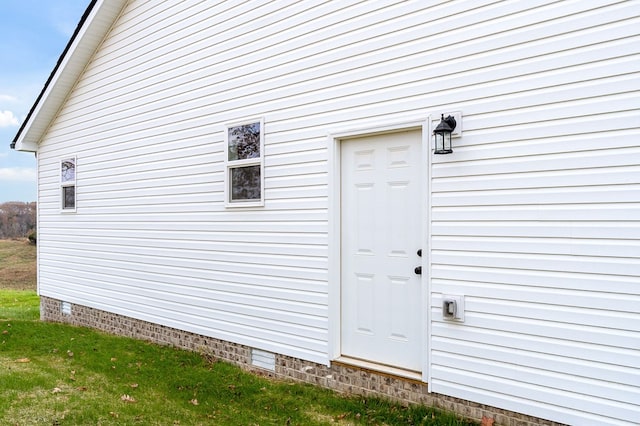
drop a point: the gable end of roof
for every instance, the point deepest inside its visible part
(94, 25)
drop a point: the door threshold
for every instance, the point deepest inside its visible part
(379, 368)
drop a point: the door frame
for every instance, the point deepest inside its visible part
(334, 142)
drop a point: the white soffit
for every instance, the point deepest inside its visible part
(87, 40)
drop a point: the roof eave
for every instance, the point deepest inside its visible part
(94, 25)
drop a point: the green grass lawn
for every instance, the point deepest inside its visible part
(57, 374)
(19, 305)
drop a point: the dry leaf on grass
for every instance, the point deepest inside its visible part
(128, 398)
(194, 401)
(487, 421)
(56, 390)
(23, 360)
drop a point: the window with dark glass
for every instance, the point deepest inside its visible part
(244, 179)
(68, 183)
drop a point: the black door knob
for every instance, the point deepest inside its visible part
(418, 270)
(419, 253)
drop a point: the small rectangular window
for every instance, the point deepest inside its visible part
(68, 184)
(244, 180)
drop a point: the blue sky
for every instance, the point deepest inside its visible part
(33, 34)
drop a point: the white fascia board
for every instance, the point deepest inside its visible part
(89, 37)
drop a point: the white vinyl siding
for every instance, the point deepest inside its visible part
(535, 221)
(534, 216)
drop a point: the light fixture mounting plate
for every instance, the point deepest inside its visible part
(457, 115)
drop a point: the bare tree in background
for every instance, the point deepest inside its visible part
(17, 219)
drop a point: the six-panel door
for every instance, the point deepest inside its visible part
(381, 233)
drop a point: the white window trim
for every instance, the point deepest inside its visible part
(68, 184)
(232, 164)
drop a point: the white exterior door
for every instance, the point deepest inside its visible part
(381, 232)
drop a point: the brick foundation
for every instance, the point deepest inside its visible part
(338, 377)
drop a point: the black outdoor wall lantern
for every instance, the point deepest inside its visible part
(442, 135)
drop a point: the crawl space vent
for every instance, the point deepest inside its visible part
(65, 307)
(263, 359)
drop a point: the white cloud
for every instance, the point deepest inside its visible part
(7, 98)
(20, 174)
(7, 119)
